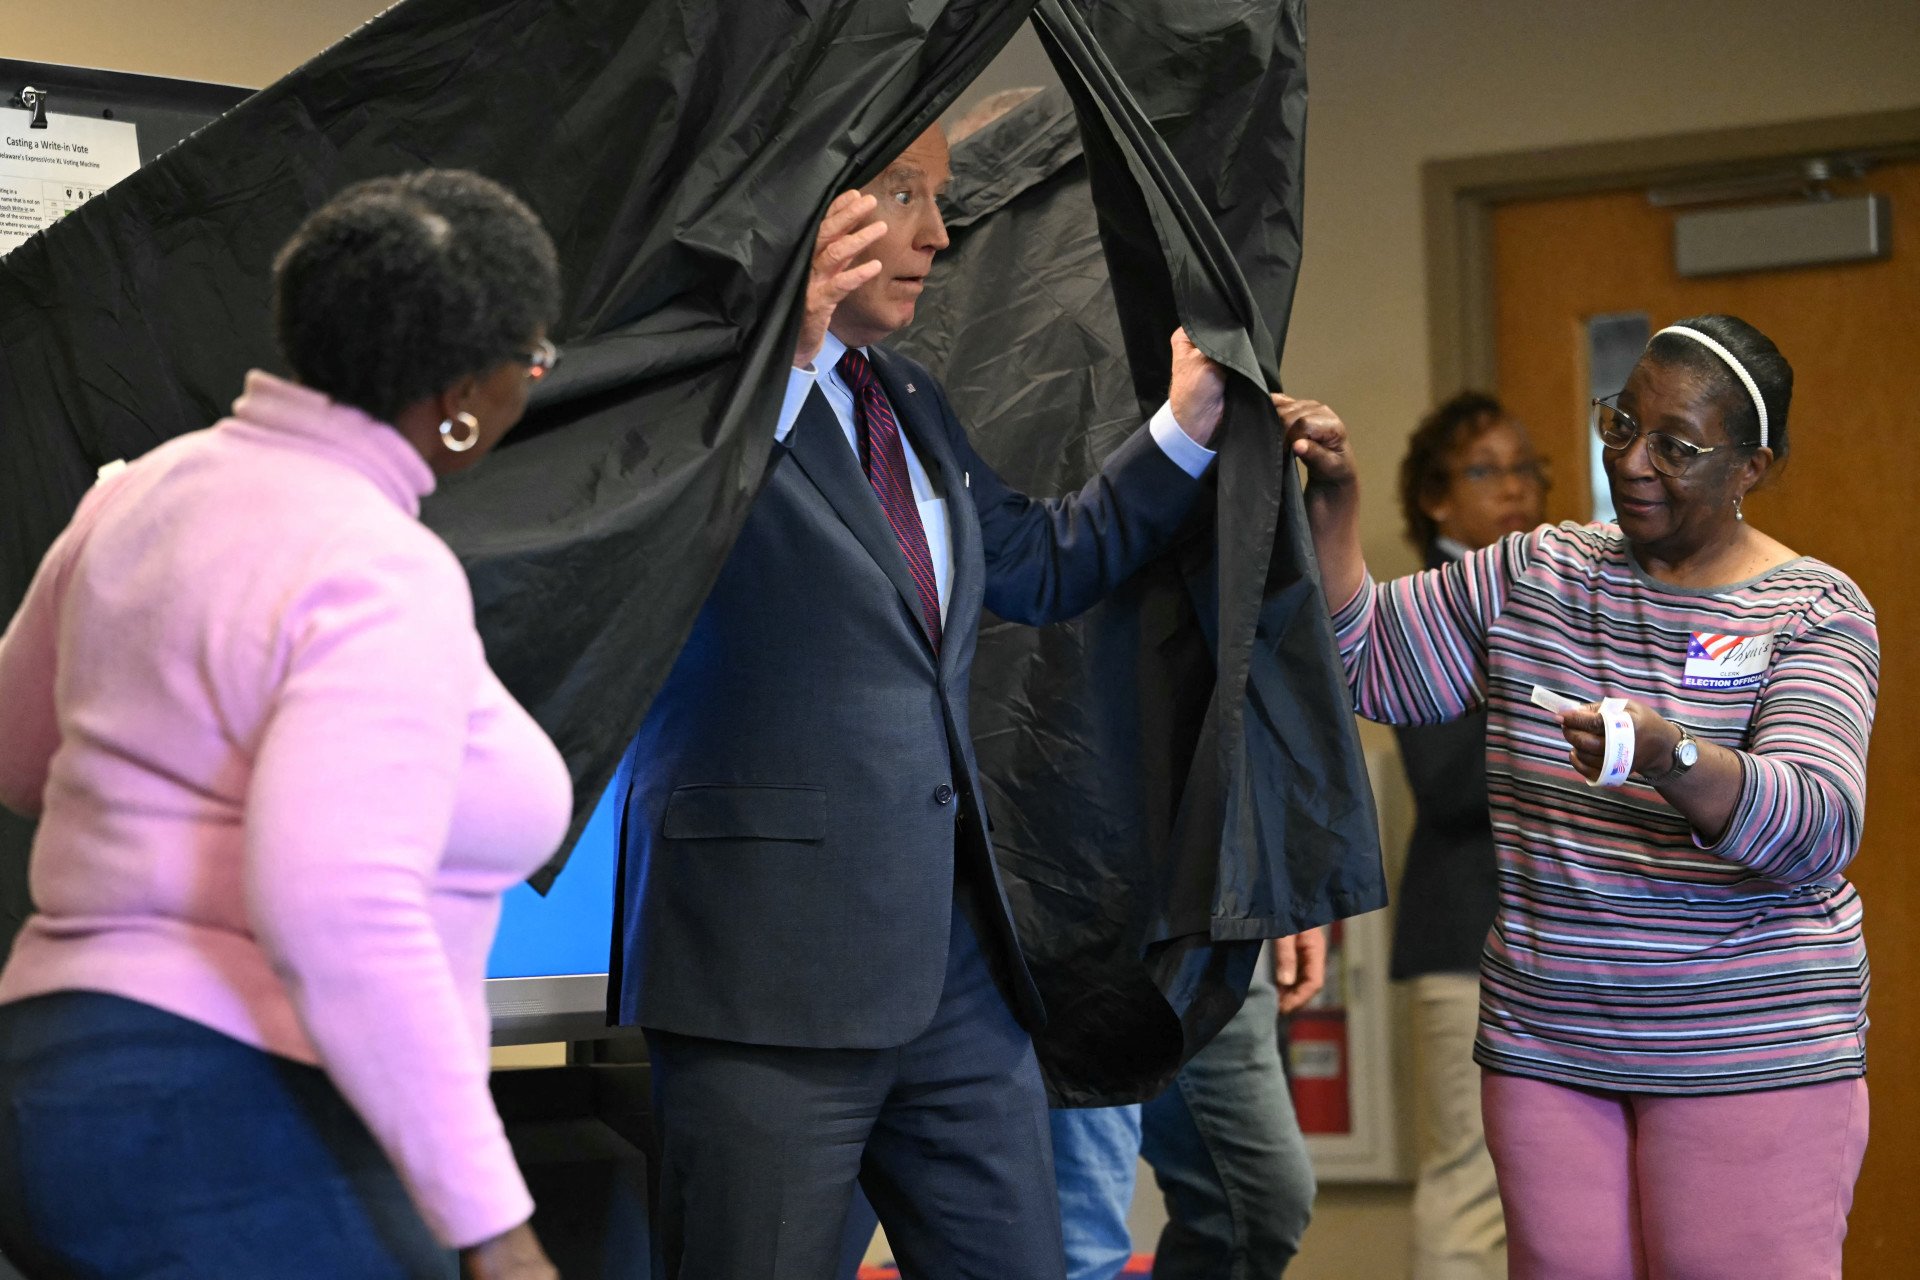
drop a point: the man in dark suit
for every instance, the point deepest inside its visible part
(812, 931)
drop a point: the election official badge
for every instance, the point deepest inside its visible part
(1727, 662)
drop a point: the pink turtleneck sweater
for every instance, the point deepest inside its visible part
(280, 793)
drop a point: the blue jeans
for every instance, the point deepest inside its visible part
(1095, 1153)
(134, 1143)
(1225, 1149)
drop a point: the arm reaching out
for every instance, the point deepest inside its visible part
(1791, 803)
(348, 812)
(1317, 437)
(28, 662)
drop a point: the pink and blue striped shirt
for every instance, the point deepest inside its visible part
(1628, 953)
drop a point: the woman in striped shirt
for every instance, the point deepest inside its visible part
(1674, 989)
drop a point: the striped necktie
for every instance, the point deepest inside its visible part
(884, 458)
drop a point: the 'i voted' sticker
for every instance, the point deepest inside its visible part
(1726, 662)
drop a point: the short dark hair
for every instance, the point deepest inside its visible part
(1762, 361)
(1425, 471)
(398, 287)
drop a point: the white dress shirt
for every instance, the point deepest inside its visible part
(824, 372)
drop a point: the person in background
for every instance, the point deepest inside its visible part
(1673, 996)
(1469, 478)
(280, 795)
(1222, 1140)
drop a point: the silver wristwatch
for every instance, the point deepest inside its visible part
(1686, 754)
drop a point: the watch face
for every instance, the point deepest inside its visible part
(1687, 754)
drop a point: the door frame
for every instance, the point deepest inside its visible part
(1459, 194)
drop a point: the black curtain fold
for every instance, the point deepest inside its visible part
(1175, 775)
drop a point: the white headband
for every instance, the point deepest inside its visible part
(1739, 370)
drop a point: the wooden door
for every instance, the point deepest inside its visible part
(1850, 495)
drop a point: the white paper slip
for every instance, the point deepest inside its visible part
(1547, 700)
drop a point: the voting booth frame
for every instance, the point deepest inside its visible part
(580, 1131)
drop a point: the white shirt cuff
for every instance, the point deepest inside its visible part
(1194, 459)
(800, 384)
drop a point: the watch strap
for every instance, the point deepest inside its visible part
(1678, 766)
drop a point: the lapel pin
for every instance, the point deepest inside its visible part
(909, 388)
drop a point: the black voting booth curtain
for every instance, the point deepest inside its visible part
(1142, 808)
(681, 156)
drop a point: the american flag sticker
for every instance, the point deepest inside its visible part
(1716, 661)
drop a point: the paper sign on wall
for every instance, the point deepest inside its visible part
(47, 173)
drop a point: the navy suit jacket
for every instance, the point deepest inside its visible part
(805, 779)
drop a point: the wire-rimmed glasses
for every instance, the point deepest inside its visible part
(1669, 454)
(540, 360)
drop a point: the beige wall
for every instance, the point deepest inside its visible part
(1399, 82)
(1395, 83)
(243, 42)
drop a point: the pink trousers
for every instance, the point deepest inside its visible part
(1638, 1186)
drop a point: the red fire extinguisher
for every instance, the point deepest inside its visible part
(1318, 1052)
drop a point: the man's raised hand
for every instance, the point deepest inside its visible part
(840, 240)
(1199, 390)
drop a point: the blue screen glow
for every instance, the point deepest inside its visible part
(569, 930)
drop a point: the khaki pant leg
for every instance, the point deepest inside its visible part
(1458, 1230)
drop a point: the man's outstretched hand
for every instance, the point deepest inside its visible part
(840, 240)
(1199, 389)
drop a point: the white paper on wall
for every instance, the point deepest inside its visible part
(47, 173)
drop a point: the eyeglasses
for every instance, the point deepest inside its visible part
(1533, 472)
(1670, 455)
(539, 361)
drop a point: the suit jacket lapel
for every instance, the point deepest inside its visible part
(919, 417)
(821, 450)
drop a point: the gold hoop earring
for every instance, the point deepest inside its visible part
(462, 443)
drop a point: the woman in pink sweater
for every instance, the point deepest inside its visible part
(280, 795)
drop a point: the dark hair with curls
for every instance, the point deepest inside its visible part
(399, 287)
(1424, 471)
(1763, 362)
